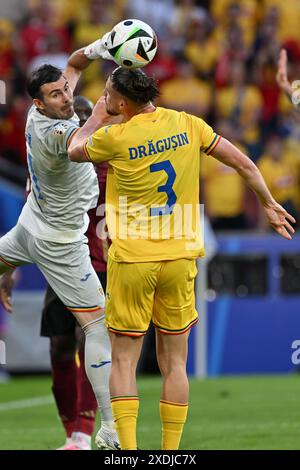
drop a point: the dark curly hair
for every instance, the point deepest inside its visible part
(135, 85)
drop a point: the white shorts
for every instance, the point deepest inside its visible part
(66, 267)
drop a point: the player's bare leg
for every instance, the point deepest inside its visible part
(6, 269)
(171, 351)
(98, 366)
(126, 351)
(6, 285)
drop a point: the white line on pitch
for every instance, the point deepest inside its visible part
(27, 403)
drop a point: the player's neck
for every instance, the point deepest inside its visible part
(46, 115)
(145, 108)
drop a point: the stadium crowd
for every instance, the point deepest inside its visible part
(217, 59)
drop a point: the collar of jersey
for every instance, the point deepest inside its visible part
(143, 116)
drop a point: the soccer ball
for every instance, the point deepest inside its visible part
(132, 44)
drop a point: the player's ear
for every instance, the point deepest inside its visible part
(39, 104)
(122, 104)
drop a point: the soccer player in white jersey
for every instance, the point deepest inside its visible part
(50, 230)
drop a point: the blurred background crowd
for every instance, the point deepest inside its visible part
(216, 59)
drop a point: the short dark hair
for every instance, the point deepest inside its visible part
(45, 74)
(135, 85)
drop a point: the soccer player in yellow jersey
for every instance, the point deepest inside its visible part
(152, 217)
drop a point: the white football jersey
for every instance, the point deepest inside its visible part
(62, 191)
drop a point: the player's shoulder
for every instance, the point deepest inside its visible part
(59, 128)
(38, 124)
(58, 135)
(62, 126)
(173, 115)
(167, 112)
(60, 131)
(192, 119)
(49, 126)
(176, 113)
(107, 132)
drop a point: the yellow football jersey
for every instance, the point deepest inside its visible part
(152, 196)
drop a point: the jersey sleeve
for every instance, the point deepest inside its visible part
(208, 137)
(60, 135)
(99, 147)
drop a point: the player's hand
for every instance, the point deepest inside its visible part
(280, 220)
(99, 49)
(103, 51)
(282, 75)
(101, 114)
(6, 286)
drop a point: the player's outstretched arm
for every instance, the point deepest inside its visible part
(282, 74)
(81, 59)
(276, 215)
(76, 64)
(6, 286)
(290, 89)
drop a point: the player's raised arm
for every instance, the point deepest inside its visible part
(276, 215)
(282, 74)
(290, 89)
(80, 59)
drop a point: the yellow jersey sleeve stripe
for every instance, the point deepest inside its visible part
(86, 153)
(213, 144)
(73, 132)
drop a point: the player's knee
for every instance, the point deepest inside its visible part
(171, 364)
(4, 268)
(87, 319)
(62, 347)
(80, 337)
(163, 366)
(121, 362)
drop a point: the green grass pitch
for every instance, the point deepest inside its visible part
(225, 413)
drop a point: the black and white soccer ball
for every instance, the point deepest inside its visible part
(132, 43)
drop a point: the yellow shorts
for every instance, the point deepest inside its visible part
(159, 291)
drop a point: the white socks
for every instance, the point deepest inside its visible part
(98, 365)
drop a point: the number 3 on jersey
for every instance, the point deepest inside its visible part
(166, 188)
